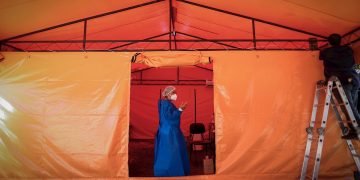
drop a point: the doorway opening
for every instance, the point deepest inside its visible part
(194, 85)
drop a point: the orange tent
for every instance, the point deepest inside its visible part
(64, 109)
(177, 25)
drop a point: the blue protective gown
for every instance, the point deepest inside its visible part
(171, 158)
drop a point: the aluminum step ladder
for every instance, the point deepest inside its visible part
(333, 90)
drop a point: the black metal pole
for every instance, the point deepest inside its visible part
(254, 33)
(83, 19)
(178, 75)
(173, 31)
(208, 40)
(170, 29)
(149, 50)
(18, 49)
(127, 44)
(195, 104)
(140, 70)
(353, 41)
(343, 36)
(84, 38)
(174, 34)
(149, 39)
(247, 17)
(203, 68)
(352, 31)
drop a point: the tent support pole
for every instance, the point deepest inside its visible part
(84, 37)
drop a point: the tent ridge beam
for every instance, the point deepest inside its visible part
(81, 20)
(149, 50)
(144, 40)
(208, 40)
(84, 35)
(251, 18)
(150, 40)
(353, 41)
(16, 48)
(344, 36)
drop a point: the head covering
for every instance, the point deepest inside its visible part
(168, 90)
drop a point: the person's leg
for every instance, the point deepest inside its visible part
(356, 85)
(358, 104)
(355, 97)
(350, 93)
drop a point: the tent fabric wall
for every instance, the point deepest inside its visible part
(144, 109)
(67, 115)
(145, 95)
(263, 102)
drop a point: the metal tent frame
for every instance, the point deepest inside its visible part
(12, 44)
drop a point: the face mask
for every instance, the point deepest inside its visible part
(173, 97)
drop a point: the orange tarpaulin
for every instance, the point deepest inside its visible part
(140, 23)
(212, 24)
(67, 115)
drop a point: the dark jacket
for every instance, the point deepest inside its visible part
(338, 61)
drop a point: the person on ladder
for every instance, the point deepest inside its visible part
(339, 60)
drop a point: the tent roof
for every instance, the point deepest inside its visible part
(206, 21)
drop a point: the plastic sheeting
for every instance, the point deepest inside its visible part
(67, 115)
(263, 102)
(64, 114)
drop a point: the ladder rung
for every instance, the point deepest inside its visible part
(321, 88)
(324, 88)
(313, 139)
(321, 104)
(355, 155)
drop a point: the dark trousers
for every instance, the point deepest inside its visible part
(351, 92)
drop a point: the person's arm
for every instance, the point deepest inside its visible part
(171, 111)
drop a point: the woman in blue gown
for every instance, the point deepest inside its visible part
(171, 158)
